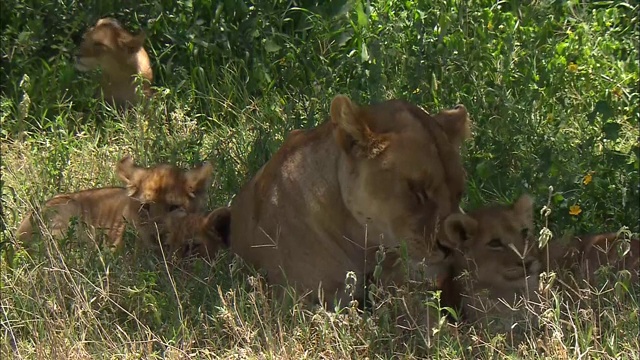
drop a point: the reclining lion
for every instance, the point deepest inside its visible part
(371, 175)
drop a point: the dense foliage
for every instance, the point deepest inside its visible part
(552, 88)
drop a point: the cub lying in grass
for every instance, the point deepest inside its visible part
(149, 195)
(495, 246)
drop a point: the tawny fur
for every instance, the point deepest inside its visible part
(121, 56)
(197, 234)
(371, 175)
(585, 255)
(582, 257)
(150, 194)
(492, 256)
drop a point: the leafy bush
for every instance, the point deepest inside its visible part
(552, 88)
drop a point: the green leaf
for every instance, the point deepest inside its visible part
(603, 108)
(611, 130)
(271, 46)
(362, 17)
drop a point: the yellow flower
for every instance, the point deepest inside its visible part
(587, 178)
(416, 91)
(572, 67)
(490, 26)
(617, 91)
(575, 210)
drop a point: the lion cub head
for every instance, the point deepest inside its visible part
(164, 188)
(496, 248)
(197, 234)
(120, 55)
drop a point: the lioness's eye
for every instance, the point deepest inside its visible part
(495, 244)
(173, 207)
(146, 206)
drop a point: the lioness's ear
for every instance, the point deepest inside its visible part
(458, 229)
(456, 124)
(352, 128)
(523, 207)
(128, 172)
(132, 43)
(343, 114)
(197, 179)
(219, 220)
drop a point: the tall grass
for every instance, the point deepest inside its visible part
(552, 88)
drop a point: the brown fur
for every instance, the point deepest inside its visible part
(197, 234)
(371, 175)
(121, 56)
(584, 256)
(151, 193)
(493, 256)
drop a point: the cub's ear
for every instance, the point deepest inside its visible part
(456, 124)
(198, 179)
(523, 207)
(352, 129)
(129, 173)
(219, 221)
(132, 43)
(458, 228)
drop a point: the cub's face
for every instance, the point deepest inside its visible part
(496, 245)
(164, 188)
(401, 171)
(200, 235)
(108, 46)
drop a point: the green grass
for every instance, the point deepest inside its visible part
(552, 88)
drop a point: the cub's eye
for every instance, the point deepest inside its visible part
(173, 207)
(146, 206)
(495, 244)
(524, 233)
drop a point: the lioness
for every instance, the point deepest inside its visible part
(493, 256)
(149, 195)
(371, 175)
(196, 234)
(121, 56)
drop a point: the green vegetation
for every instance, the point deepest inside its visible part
(552, 88)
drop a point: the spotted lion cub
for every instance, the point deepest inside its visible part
(150, 194)
(121, 56)
(196, 234)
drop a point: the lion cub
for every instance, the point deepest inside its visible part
(150, 194)
(121, 56)
(495, 246)
(492, 256)
(584, 256)
(196, 234)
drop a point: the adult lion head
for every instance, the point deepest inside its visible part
(373, 175)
